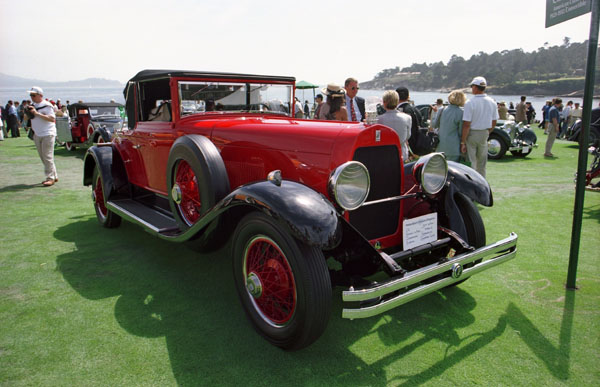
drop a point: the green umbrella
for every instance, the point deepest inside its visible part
(306, 85)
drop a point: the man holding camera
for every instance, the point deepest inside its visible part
(43, 125)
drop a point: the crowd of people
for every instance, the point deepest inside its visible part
(462, 125)
(14, 117)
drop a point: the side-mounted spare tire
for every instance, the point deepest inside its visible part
(196, 179)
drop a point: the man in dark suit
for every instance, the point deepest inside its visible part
(355, 105)
(406, 107)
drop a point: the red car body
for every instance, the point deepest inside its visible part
(227, 160)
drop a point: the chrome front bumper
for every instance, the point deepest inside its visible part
(497, 253)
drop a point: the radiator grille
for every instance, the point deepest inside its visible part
(378, 220)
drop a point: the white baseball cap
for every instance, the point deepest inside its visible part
(478, 81)
(36, 90)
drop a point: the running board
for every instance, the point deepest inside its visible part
(139, 213)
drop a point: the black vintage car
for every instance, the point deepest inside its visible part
(510, 136)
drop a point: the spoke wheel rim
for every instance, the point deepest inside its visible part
(99, 198)
(264, 261)
(190, 205)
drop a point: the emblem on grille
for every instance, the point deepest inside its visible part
(457, 270)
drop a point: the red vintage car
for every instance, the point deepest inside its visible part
(308, 205)
(89, 123)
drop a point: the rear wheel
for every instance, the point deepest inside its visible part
(196, 179)
(105, 217)
(496, 147)
(283, 284)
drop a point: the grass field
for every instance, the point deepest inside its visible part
(84, 305)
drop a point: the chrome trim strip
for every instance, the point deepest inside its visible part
(390, 199)
(505, 247)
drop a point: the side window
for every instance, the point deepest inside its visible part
(154, 101)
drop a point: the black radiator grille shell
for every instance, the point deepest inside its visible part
(379, 220)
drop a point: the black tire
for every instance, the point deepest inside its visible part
(294, 272)
(196, 179)
(496, 147)
(105, 217)
(473, 224)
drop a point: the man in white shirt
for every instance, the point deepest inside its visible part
(354, 105)
(43, 125)
(479, 119)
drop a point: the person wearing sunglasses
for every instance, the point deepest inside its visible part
(354, 105)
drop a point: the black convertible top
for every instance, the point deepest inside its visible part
(145, 75)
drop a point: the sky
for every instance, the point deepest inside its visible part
(319, 41)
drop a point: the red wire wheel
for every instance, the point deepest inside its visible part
(189, 205)
(99, 198)
(270, 281)
(105, 217)
(283, 283)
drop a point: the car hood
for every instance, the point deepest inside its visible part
(282, 134)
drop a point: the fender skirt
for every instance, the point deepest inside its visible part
(305, 213)
(467, 181)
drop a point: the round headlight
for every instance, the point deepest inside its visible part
(431, 171)
(349, 185)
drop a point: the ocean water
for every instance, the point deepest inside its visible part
(74, 94)
(71, 94)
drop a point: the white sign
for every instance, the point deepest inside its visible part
(420, 230)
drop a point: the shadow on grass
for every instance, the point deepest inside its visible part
(20, 187)
(592, 212)
(509, 158)
(63, 152)
(166, 290)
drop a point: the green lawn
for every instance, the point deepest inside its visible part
(84, 305)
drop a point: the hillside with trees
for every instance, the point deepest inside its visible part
(555, 70)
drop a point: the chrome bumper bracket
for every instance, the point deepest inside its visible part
(499, 252)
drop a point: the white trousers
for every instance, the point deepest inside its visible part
(45, 148)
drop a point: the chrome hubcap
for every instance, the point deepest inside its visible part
(493, 147)
(254, 285)
(176, 193)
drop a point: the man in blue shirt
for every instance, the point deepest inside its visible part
(553, 125)
(13, 120)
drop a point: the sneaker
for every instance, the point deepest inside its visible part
(48, 183)
(548, 155)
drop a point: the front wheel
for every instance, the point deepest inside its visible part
(473, 224)
(105, 217)
(283, 284)
(496, 147)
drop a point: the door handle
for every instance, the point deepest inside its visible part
(136, 146)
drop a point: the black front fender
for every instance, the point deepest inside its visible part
(100, 157)
(503, 135)
(305, 213)
(469, 182)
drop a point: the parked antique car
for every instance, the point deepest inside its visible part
(594, 171)
(307, 204)
(574, 132)
(510, 136)
(89, 123)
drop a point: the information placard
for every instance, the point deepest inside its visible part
(558, 11)
(420, 230)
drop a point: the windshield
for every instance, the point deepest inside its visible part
(200, 97)
(104, 111)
